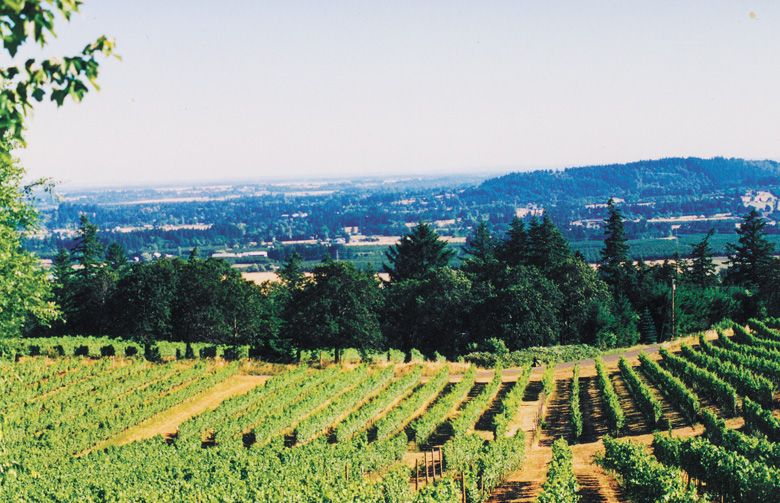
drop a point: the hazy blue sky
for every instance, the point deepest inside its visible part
(252, 89)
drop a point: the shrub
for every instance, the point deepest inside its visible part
(58, 350)
(152, 353)
(33, 350)
(208, 352)
(415, 356)
(233, 353)
(351, 355)
(395, 356)
(131, 351)
(189, 354)
(81, 350)
(544, 354)
(496, 346)
(107, 350)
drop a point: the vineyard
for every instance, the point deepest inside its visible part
(696, 420)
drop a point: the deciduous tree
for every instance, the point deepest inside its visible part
(338, 308)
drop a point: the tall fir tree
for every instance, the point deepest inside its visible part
(547, 248)
(291, 272)
(480, 245)
(514, 250)
(480, 253)
(647, 328)
(614, 255)
(88, 252)
(92, 284)
(700, 269)
(418, 253)
(116, 256)
(750, 260)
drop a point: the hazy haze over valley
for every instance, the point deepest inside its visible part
(310, 90)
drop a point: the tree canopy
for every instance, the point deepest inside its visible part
(418, 252)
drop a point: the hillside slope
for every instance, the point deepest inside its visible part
(631, 181)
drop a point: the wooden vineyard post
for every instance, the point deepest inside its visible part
(433, 465)
(463, 488)
(441, 462)
(346, 472)
(416, 472)
(425, 462)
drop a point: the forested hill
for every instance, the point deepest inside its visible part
(642, 179)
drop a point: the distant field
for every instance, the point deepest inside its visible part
(373, 256)
(657, 248)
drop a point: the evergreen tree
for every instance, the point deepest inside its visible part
(419, 252)
(291, 272)
(647, 327)
(116, 257)
(62, 273)
(700, 269)
(88, 252)
(547, 248)
(514, 250)
(480, 253)
(614, 255)
(751, 263)
(92, 285)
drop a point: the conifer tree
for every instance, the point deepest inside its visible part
(547, 248)
(750, 260)
(700, 269)
(514, 250)
(614, 255)
(419, 252)
(291, 272)
(480, 252)
(88, 252)
(116, 257)
(647, 327)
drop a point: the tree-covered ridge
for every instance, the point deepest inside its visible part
(651, 178)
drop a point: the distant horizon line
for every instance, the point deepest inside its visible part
(476, 173)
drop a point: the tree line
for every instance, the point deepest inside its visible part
(524, 288)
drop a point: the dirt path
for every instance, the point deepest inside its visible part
(557, 421)
(168, 421)
(594, 420)
(485, 421)
(636, 423)
(595, 484)
(525, 484)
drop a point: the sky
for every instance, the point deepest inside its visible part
(248, 89)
